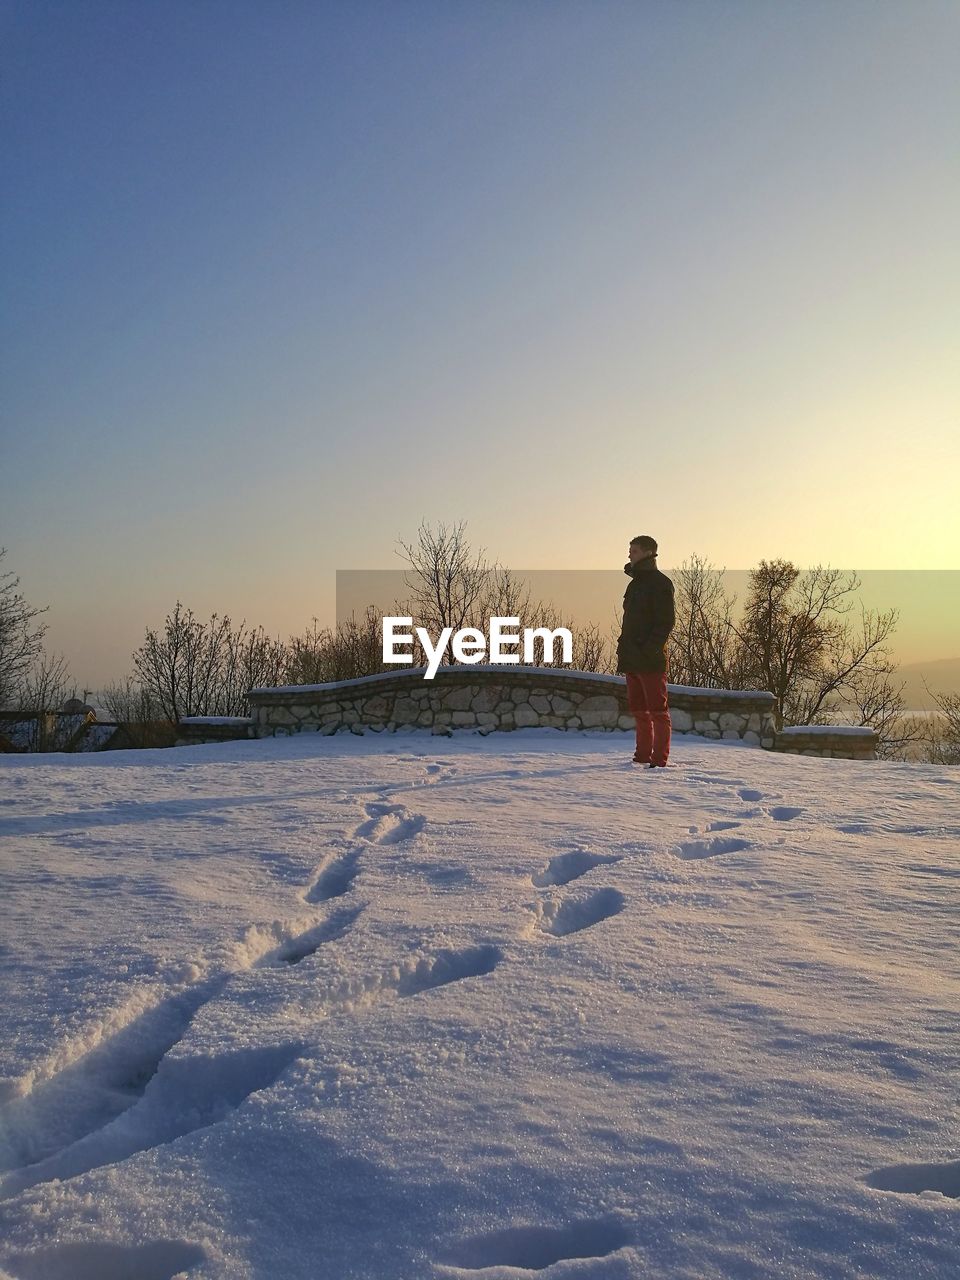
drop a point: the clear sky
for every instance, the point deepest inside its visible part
(281, 280)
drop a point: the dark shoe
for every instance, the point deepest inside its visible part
(657, 766)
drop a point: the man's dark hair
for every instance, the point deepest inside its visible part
(645, 542)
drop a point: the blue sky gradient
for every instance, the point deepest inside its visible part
(283, 280)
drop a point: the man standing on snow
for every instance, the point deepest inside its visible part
(648, 619)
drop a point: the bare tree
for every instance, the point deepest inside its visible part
(874, 699)
(128, 701)
(21, 641)
(250, 660)
(307, 655)
(450, 586)
(130, 704)
(354, 648)
(176, 664)
(942, 729)
(800, 644)
(43, 689)
(192, 668)
(448, 583)
(705, 648)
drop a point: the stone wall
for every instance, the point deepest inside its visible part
(193, 730)
(489, 697)
(838, 741)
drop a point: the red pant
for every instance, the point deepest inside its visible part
(647, 698)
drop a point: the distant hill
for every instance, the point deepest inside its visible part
(943, 676)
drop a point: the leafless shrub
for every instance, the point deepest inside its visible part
(21, 642)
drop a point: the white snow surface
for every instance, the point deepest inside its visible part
(403, 1007)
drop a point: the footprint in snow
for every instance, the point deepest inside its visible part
(442, 768)
(573, 914)
(154, 1260)
(570, 866)
(93, 1091)
(335, 877)
(390, 824)
(914, 1179)
(534, 1248)
(307, 943)
(712, 848)
(184, 1095)
(722, 826)
(447, 966)
(745, 793)
(784, 813)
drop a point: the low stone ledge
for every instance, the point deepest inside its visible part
(493, 697)
(193, 730)
(836, 741)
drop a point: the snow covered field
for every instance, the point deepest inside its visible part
(405, 1007)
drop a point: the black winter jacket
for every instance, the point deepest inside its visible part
(648, 618)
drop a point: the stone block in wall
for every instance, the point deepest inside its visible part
(406, 708)
(463, 717)
(329, 728)
(626, 722)
(730, 720)
(752, 737)
(425, 718)
(599, 710)
(524, 716)
(701, 726)
(680, 720)
(731, 735)
(487, 718)
(487, 699)
(506, 705)
(459, 699)
(281, 716)
(442, 730)
(561, 706)
(540, 704)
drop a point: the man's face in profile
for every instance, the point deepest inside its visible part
(636, 552)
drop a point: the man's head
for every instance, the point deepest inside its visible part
(642, 548)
